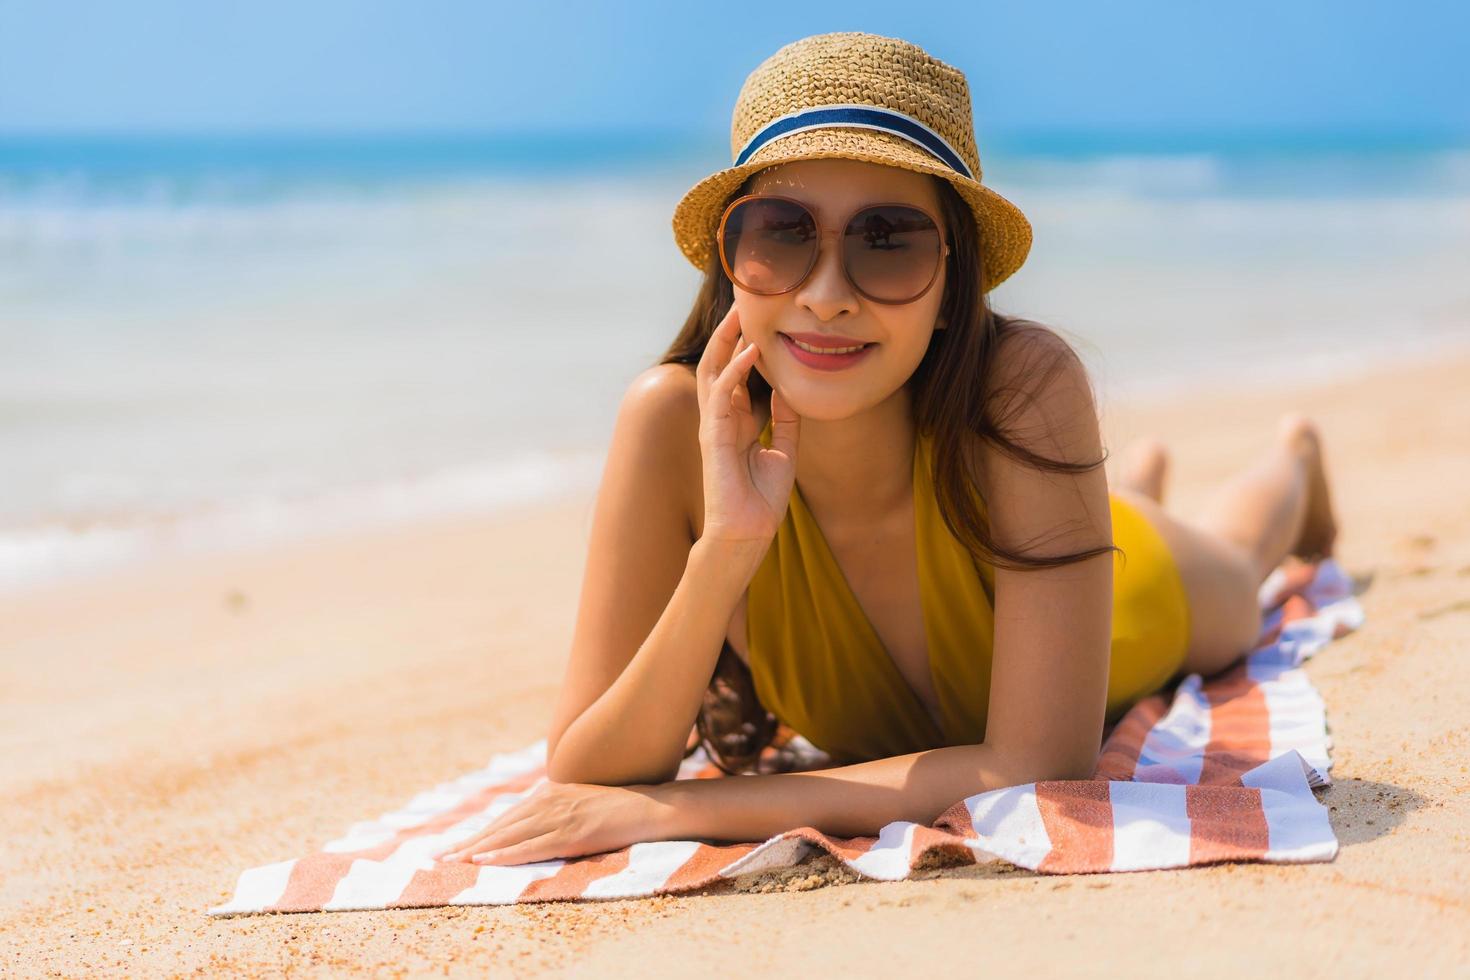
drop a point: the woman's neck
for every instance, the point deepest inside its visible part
(857, 471)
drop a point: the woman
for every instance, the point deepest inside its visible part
(855, 500)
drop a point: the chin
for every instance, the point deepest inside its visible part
(822, 406)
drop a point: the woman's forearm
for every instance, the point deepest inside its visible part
(846, 801)
(637, 730)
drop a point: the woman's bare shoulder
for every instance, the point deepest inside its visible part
(663, 401)
(1044, 406)
(659, 419)
(1043, 395)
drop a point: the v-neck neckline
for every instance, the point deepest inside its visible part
(883, 656)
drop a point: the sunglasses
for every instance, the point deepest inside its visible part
(891, 253)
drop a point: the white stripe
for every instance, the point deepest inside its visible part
(258, 888)
(649, 865)
(504, 884)
(373, 884)
(1297, 824)
(366, 836)
(1150, 826)
(778, 852)
(1266, 593)
(1009, 824)
(444, 797)
(1298, 718)
(888, 858)
(1174, 749)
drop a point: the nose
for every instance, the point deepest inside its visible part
(826, 291)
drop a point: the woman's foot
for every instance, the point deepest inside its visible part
(1299, 434)
(1144, 467)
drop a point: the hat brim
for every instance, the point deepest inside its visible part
(1004, 231)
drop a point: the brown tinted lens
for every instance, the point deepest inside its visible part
(892, 251)
(769, 244)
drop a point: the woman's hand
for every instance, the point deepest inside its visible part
(747, 487)
(566, 820)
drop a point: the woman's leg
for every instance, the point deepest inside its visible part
(1145, 467)
(1278, 506)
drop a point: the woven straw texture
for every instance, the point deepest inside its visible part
(863, 69)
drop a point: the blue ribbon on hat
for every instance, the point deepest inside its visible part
(862, 117)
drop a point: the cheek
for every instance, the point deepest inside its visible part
(760, 316)
(911, 333)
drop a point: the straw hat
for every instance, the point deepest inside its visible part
(858, 97)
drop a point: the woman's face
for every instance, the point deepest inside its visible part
(826, 304)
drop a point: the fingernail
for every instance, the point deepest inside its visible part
(486, 856)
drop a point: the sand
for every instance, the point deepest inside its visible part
(166, 727)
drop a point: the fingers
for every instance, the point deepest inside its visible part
(528, 843)
(717, 352)
(785, 424)
(542, 848)
(494, 835)
(721, 393)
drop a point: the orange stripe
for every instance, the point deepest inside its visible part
(1078, 816)
(957, 821)
(1226, 823)
(314, 878)
(427, 889)
(846, 848)
(1240, 727)
(1297, 607)
(1119, 756)
(312, 883)
(927, 839)
(704, 866)
(572, 879)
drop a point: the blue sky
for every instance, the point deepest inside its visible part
(191, 66)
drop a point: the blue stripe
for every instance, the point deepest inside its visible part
(873, 118)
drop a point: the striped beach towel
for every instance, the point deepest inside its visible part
(1222, 770)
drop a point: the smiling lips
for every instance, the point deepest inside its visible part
(831, 353)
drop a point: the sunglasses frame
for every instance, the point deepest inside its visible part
(841, 255)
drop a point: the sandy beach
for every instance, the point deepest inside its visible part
(168, 726)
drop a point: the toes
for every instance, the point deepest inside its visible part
(1146, 466)
(1297, 430)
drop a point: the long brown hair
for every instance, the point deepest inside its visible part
(954, 401)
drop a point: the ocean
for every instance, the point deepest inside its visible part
(215, 342)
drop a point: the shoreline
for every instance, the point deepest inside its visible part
(167, 726)
(37, 554)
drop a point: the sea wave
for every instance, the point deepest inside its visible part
(49, 551)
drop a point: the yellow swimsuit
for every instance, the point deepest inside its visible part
(820, 667)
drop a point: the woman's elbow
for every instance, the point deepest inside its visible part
(560, 769)
(1044, 770)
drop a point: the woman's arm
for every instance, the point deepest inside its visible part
(655, 603)
(636, 731)
(846, 801)
(1053, 628)
(633, 690)
(1048, 679)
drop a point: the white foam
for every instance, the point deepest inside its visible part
(48, 552)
